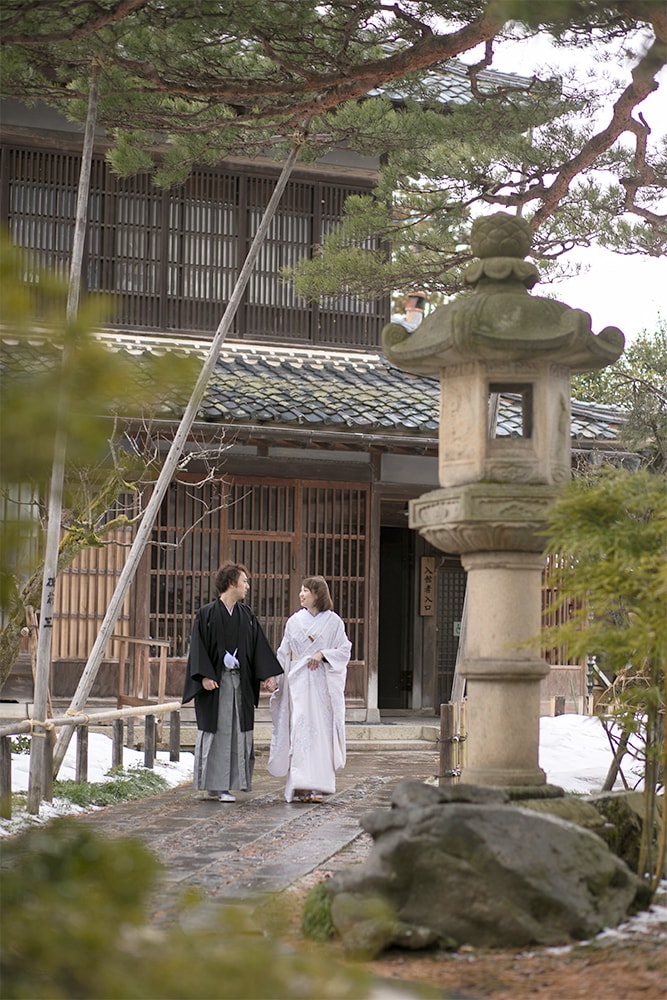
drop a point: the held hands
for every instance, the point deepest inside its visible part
(270, 684)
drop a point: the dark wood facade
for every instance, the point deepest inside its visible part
(168, 260)
(286, 504)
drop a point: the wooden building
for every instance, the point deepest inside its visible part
(319, 444)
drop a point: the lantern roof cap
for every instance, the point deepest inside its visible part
(499, 319)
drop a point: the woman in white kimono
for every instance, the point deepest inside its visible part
(308, 707)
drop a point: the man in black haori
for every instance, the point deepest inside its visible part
(229, 659)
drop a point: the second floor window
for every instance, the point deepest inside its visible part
(169, 260)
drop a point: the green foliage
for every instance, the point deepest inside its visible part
(616, 525)
(637, 382)
(75, 924)
(124, 786)
(20, 744)
(55, 369)
(316, 922)
(185, 84)
(68, 899)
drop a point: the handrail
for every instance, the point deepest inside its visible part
(80, 723)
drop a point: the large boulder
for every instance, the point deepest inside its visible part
(463, 865)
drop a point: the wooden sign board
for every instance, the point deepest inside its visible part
(427, 586)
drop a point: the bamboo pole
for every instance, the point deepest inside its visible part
(173, 457)
(39, 780)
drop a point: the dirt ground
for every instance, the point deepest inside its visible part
(628, 963)
(618, 970)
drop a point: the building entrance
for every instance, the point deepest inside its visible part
(395, 625)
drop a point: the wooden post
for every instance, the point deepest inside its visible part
(446, 773)
(33, 631)
(174, 736)
(117, 743)
(452, 742)
(149, 741)
(462, 734)
(122, 656)
(82, 754)
(47, 767)
(5, 777)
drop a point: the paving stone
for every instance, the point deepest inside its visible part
(260, 844)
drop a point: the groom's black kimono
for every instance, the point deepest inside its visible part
(215, 632)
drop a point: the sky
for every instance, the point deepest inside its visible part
(629, 292)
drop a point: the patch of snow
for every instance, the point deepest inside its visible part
(576, 754)
(99, 764)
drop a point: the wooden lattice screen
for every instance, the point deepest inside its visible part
(84, 591)
(450, 595)
(334, 546)
(168, 260)
(282, 531)
(40, 194)
(556, 608)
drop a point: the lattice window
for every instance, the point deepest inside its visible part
(169, 259)
(84, 591)
(281, 531)
(42, 204)
(450, 595)
(334, 546)
(202, 250)
(557, 607)
(345, 318)
(262, 537)
(186, 550)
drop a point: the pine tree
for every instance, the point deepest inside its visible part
(194, 83)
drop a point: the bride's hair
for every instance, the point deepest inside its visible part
(318, 586)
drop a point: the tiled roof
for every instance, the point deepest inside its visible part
(450, 80)
(321, 389)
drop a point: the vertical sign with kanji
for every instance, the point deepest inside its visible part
(427, 585)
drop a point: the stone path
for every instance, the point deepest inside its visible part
(261, 844)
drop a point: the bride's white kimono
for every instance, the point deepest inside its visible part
(308, 708)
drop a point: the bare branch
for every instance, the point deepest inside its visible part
(643, 83)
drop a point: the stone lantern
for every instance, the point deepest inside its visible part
(495, 490)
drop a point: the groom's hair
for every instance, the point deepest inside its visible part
(228, 575)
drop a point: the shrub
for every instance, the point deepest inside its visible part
(75, 924)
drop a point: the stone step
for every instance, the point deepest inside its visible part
(358, 736)
(417, 733)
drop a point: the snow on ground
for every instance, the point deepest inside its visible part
(576, 754)
(99, 764)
